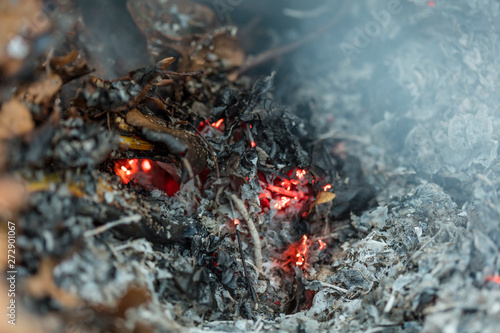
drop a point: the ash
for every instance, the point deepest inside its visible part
(399, 121)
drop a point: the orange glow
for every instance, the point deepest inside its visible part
(146, 165)
(283, 191)
(297, 253)
(322, 245)
(253, 144)
(218, 123)
(146, 173)
(302, 252)
(286, 184)
(327, 187)
(282, 203)
(126, 169)
(236, 221)
(286, 192)
(493, 278)
(300, 173)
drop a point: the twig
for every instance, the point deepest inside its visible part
(328, 285)
(240, 205)
(107, 226)
(250, 286)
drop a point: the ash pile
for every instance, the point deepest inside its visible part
(197, 166)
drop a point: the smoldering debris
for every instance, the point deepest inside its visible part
(175, 191)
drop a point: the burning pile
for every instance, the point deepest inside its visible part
(187, 191)
(155, 181)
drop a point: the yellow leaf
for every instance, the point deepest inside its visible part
(322, 197)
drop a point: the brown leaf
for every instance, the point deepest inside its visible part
(15, 119)
(12, 196)
(64, 60)
(133, 298)
(42, 92)
(321, 198)
(177, 141)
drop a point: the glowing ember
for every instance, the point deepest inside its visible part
(146, 165)
(282, 203)
(493, 278)
(286, 184)
(285, 192)
(327, 187)
(302, 252)
(300, 173)
(322, 245)
(253, 144)
(236, 221)
(146, 173)
(126, 169)
(218, 123)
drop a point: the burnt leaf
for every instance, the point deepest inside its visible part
(180, 142)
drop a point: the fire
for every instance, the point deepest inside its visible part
(285, 192)
(300, 173)
(146, 165)
(126, 169)
(283, 203)
(327, 187)
(218, 123)
(236, 221)
(253, 144)
(302, 252)
(322, 245)
(493, 278)
(146, 173)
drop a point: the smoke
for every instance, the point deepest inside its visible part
(115, 44)
(413, 88)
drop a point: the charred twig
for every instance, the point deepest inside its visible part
(237, 226)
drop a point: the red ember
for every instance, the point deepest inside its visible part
(302, 252)
(146, 165)
(147, 173)
(218, 123)
(493, 278)
(285, 192)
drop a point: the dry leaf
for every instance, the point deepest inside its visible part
(42, 91)
(322, 197)
(15, 119)
(60, 62)
(177, 141)
(12, 196)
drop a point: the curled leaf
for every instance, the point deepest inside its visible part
(322, 197)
